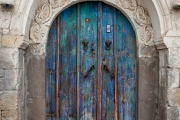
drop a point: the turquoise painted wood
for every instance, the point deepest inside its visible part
(107, 59)
(51, 70)
(83, 35)
(68, 44)
(88, 58)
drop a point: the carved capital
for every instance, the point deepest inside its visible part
(37, 49)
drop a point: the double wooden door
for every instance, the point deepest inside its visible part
(91, 65)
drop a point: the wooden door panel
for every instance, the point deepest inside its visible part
(107, 60)
(51, 70)
(68, 68)
(96, 67)
(88, 59)
(126, 58)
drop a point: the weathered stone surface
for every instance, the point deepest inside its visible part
(1, 84)
(174, 97)
(173, 78)
(163, 58)
(162, 112)
(172, 113)
(5, 18)
(8, 58)
(148, 88)
(8, 105)
(8, 100)
(36, 109)
(174, 57)
(11, 2)
(148, 51)
(1, 73)
(179, 112)
(36, 77)
(10, 80)
(12, 41)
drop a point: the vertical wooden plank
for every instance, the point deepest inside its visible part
(78, 61)
(57, 69)
(99, 75)
(51, 70)
(126, 58)
(116, 110)
(68, 64)
(88, 60)
(107, 58)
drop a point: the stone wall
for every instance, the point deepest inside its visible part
(22, 73)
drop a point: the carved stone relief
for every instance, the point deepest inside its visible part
(128, 4)
(37, 49)
(142, 17)
(57, 3)
(43, 14)
(147, 36)
(39, 31)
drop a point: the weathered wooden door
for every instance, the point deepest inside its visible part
(91, 65)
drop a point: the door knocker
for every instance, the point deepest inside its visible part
(108, 44)
(85, 44)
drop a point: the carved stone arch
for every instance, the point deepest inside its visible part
(46, 13)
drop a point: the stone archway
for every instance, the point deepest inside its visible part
(146, 52)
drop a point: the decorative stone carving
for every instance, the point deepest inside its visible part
(57, 3)
(43, 13)
(38, 33)
(142, 17)
(37, 49)
(128, 4)
(39, 30)
(147, 36)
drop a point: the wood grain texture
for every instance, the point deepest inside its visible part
(126, 57)
(88, 31)
(68, 48)
(107, 58)
(51, 70)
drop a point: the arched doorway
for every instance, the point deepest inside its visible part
(91, 64)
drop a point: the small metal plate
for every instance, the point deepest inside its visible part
(108, 28)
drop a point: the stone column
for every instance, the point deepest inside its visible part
(169, 90)
(148, 83)
(12, 77)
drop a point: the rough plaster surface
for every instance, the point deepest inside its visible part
(19, 99)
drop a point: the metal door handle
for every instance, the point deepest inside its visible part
(85, 43)
(107, 70)
(88, 72)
